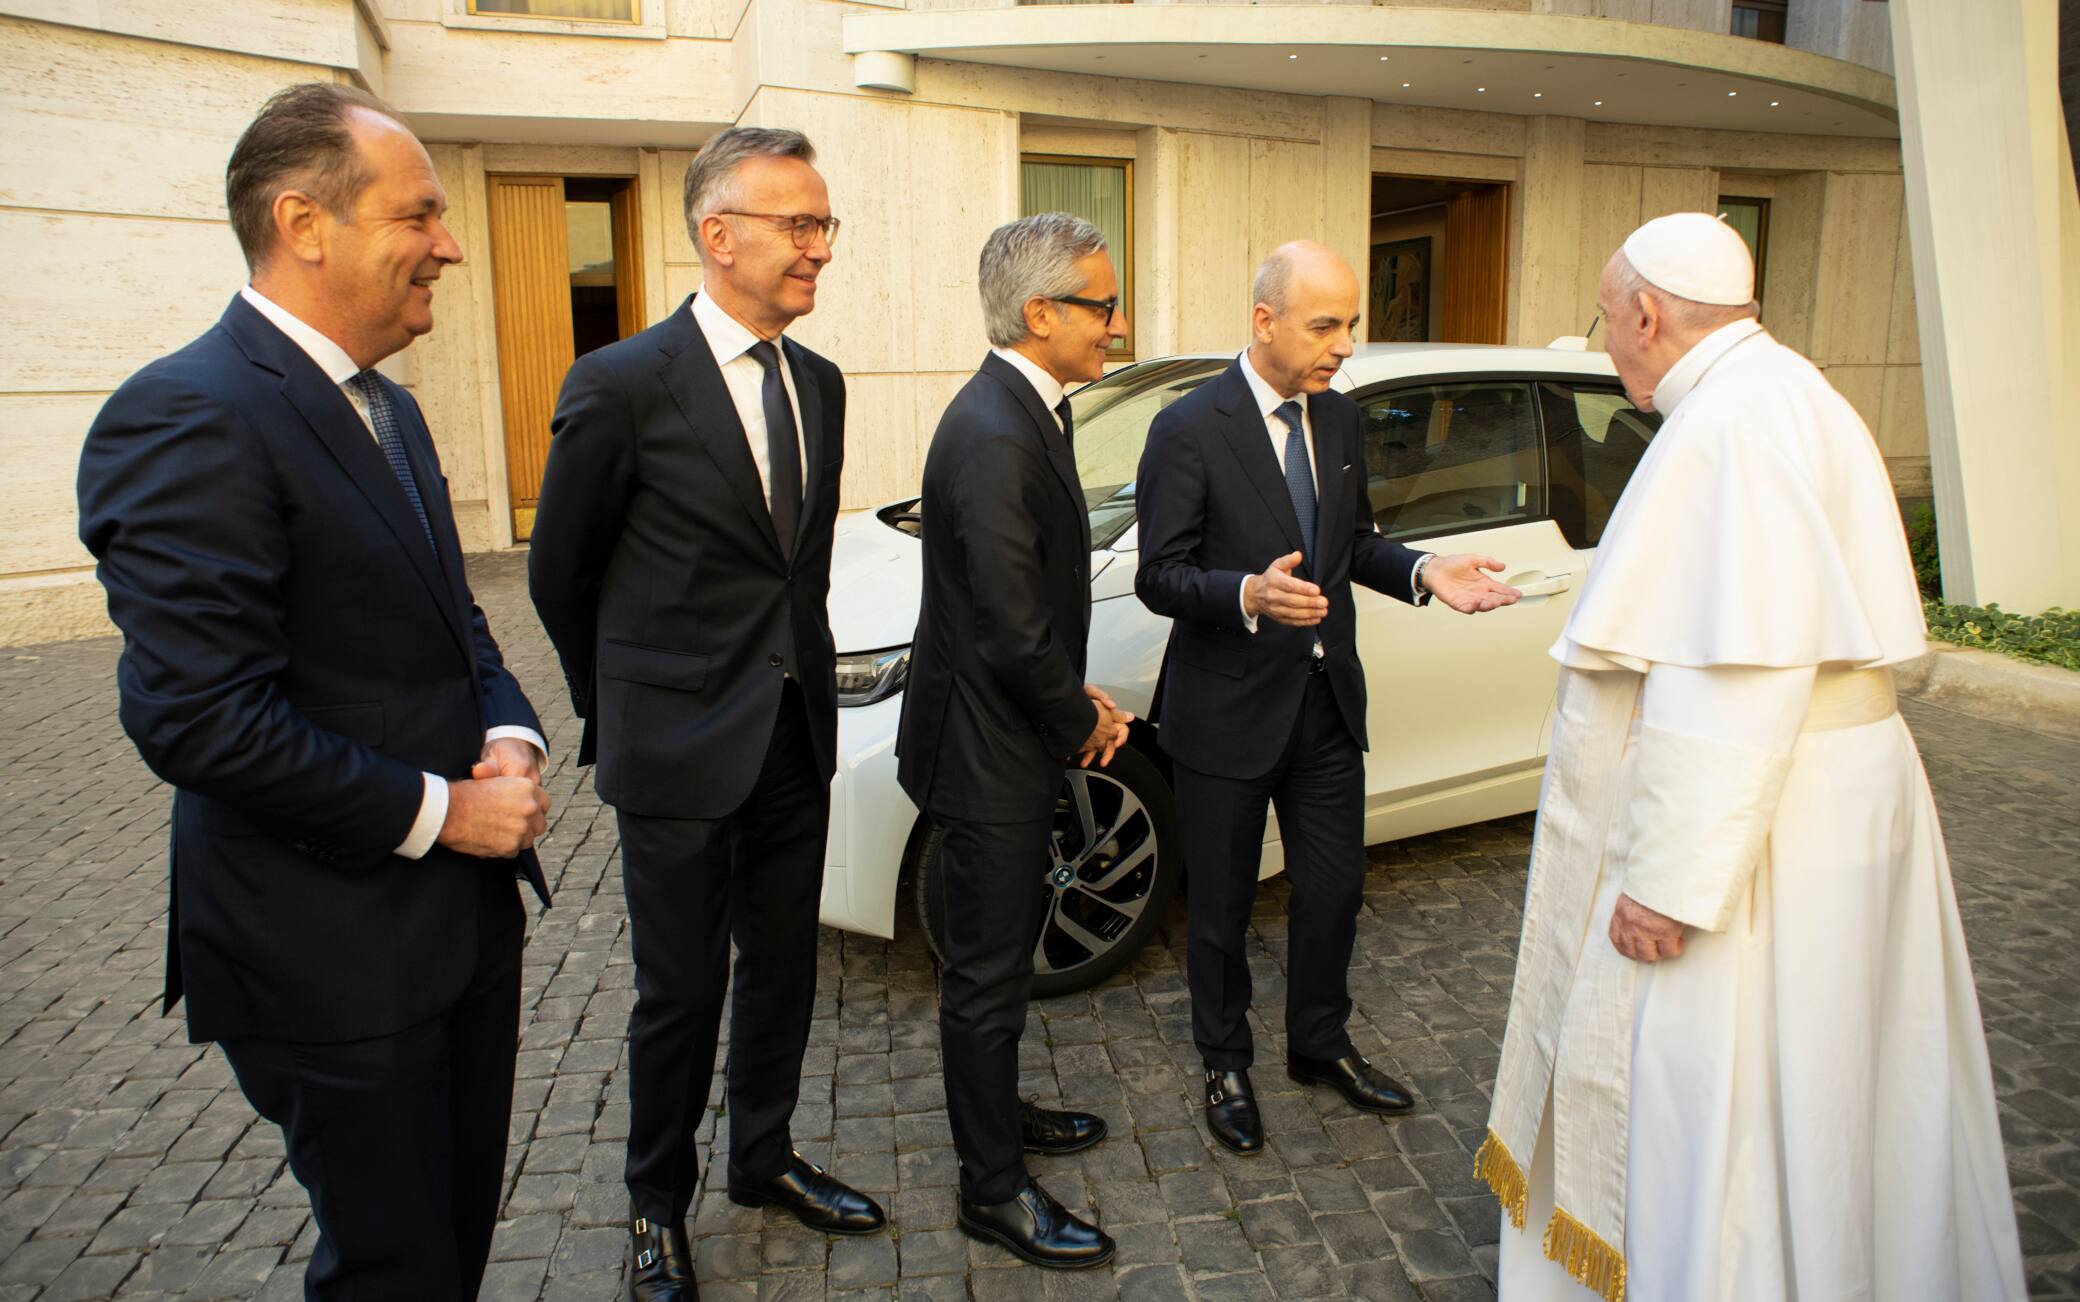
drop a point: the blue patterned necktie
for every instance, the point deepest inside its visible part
(390, 437)
(1299, 475)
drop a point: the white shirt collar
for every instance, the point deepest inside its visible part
(1691, 366)
(330, 357)
(727, 336)
(1267, 397)
(1049, 388)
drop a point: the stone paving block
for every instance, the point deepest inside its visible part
(91, 1277)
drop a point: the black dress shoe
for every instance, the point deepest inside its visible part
(1231, 1112)
(1044, 1130)
(816, 1200)
(662, 1270)
(1037, 1229)
(1366, 1086)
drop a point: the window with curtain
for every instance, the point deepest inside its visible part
(1751, 218)
(605, 11)
(1099, 190)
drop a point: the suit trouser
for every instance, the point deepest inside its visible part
(1318, 787)
(994, 879)
(400, 1140)
(693, 886)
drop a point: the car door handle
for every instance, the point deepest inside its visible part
(1545, 587)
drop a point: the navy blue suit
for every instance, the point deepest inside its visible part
(295, 656)
(1252, 719)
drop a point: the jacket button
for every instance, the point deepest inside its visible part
(774, 660)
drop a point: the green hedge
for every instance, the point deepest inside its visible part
(2052, 638)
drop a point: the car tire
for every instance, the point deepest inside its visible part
(1100, 910)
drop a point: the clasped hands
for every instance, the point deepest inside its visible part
(1458, 581)
(1109, 735)
(501, 809)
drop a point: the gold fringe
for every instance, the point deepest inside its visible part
(1495, 1165)
(1583, 1254)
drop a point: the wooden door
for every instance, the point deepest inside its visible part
(1476, 265)
(628, 260)
(531, 286)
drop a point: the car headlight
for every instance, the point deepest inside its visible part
(865, 677)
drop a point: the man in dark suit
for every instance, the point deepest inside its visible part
(680, 561)
(1254, 523)
(356, 774)
(996, 706)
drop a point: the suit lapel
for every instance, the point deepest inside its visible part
(1059, 455)
(1244, 430)
(696, 385)
(440, 515)
(809, 395)
(1331, 476)
(340, 430)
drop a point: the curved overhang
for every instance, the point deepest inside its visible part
(1599, 69)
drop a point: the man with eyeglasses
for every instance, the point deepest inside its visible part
(680, 562)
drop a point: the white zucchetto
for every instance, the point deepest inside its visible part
(1696, 256)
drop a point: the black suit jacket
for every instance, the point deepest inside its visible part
(656, 570)
(294, 657)
(1214, 508)
(994, 707)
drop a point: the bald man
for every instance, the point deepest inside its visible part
(1744, 1058)
(1254, 523)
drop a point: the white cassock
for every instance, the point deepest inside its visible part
(1799, 1106)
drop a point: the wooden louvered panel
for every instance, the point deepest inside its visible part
(1476, 265)
(530, 281)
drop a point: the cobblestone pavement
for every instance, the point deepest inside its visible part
(131, 1166)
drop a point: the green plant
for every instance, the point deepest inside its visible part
(2052, 638)
(1921, 546)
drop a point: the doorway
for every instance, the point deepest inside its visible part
(1440, 260)
(566, 278)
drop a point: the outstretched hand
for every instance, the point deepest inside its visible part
(1459, 581)
(1289, 600)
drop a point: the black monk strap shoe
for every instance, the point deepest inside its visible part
(1044, 1130)
(1037, 1229)
(1231, 1112)
(662, 1267)
(1367, 1087)
(815, 1199)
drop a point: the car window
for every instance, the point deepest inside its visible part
(1112, 417)
(1594, 438)
(1446, 457)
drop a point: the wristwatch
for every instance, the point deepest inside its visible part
(1415, 579)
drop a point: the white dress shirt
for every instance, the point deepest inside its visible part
(1268, 402)
(731, 340)
(1046, 386)
(339, 368)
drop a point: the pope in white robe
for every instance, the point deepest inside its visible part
(1744, 1059)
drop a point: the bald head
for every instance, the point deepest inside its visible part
(1304, 317)
(1301, 262)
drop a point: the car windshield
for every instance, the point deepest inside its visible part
(1112, 419)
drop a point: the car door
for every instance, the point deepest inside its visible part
(1457, 703)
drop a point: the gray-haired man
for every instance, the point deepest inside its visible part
(680, 561)
(996, 704)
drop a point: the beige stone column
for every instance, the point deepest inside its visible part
(1347, 184)
(1157, 238)
(1995, 229)
(1546, 243)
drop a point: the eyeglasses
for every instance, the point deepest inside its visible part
(1106, 305)
(802, 226)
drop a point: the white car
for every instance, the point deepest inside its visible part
(1519, 453)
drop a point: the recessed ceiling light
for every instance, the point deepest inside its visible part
(1599, 103)
(1773, 103)
(1731, 93)
(1480, 90)
(1382, 58)
(1292, 56)
(1404, 85)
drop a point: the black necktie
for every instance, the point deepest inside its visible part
(390, 437)
(783, 449)
(1061, 409)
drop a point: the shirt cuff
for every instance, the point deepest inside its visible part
(526, 734)
(1416, 595)
(433, 811)
(1249, 621)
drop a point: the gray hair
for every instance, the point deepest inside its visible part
(1033, 257)
(1684, 314)
(1273, 284)
(711, 178)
